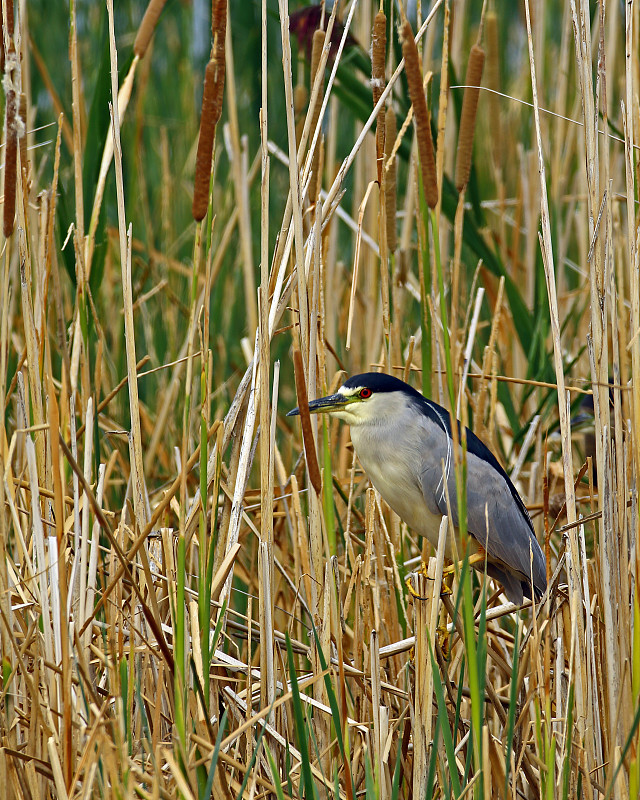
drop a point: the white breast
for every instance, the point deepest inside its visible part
(389, 462)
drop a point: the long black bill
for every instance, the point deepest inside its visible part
(322, 405)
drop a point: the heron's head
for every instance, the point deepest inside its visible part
(363, 399)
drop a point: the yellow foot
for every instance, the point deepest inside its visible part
(443, 639)
(412, 591)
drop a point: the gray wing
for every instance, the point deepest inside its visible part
(494, 518)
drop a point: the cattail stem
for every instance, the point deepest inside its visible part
(316, 52)
(421, 115)
(378, 57)
(468, 116)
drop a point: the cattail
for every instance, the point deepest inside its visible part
(390, 194)
(147, 27)
(316, 52)
(468, 116)
(421, 115)
(10, 160)
(212, 97)
(219, 20)
(204, 156)
(378, 57)
(305, 420)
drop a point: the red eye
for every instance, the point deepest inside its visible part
(365, 393)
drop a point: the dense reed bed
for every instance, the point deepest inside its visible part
(199, 597)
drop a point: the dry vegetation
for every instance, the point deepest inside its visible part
(195, 597)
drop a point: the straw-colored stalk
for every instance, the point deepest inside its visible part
(315, 180)
(390, 188)
(147, 27)
(212, 97)
(421, 115)
(468, 116)
(378, 57)
(300, 99)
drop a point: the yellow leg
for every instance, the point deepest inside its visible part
(477, 558)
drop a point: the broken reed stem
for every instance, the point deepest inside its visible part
(390, 187)
(468, 116)
(378, 57)
(8, 4)
(421, 115)
(147, 27)
(316, 52)
(212, 97)
(305, 419)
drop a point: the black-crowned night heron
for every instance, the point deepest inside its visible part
(403, 440)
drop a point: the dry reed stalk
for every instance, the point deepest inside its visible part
(76, 110)
(573, 551)
(633, 241)
(141, 499)
(378, 58)
(147, 27)
(421, 115)
(390, 180)
(300, 99)
(315, 178)
(124, 95)
(356, 263)
(468, 116)
(442, 145)
(244, 465)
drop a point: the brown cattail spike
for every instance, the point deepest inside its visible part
(390, 195)
(219, 19)
(468, 116)
(378, 58)
(316, 53)
(421, 115)
(212, 97)
(11, 156)
(147, 27)
(211, 106)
